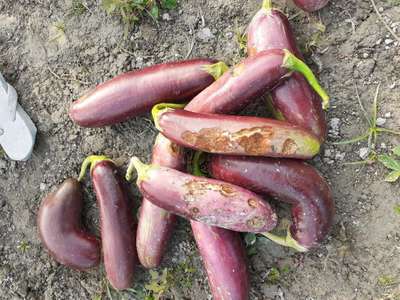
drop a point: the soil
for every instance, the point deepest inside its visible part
(51, 67)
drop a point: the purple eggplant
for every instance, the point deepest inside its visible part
(59, 223)
(238, 135)
(209, 201)
(250, 79)
(293, 100)
(291, 181)
(117, 223)
(155, 224)
(136, 92)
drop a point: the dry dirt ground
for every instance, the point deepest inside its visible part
(50, 67)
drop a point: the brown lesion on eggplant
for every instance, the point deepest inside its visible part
(254, 141)
(256, 222)
(194, 211)
(175, 149)
(252, 203)
(289, 147)
(208, 139)
(196, 188)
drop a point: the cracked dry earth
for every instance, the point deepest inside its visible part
(360, 259)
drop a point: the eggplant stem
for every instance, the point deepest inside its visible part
(160, 108)
(291, 62)
(91, 160)
(267, 4)
(141, 169)
(216, 70)
(196, 164)
(287, 241)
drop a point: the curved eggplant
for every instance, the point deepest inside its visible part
(291, 181)
(59, 223)
(116, 216)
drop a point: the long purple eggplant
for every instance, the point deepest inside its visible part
(311, 5)
(209, 201)
(291, 181)
(293, 100)
(155, 224)
(136, 92)
(59, 223)
(117, 223)
(238, 135)
(251, 79)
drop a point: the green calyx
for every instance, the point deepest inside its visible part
(161, 108)
(291, 62)
(287, 241)
(196, 162)
(216, 70)
(141, 169)
(91, 160)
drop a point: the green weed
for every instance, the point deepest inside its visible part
(132, 10)
(392, 164)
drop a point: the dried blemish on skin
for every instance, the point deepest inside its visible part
(289, 147)
(196, 188)
(175, 149)
(255, 141)
(208, 139)
(256, 222)
(194, 210)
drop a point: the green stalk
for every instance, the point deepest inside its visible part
(291, 62)
(216, 70)
(141, 169)
(287, 241)
(160, 108)
(267, 4)
(91, 160)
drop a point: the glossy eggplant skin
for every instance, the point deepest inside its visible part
(242, 84)
(155, 224)
(291, 181)
(224, 260)
(59, 223)
(293, 100)
(134, 93)
(213, 202)
(117, 224)
(311, 5)
(237, 135)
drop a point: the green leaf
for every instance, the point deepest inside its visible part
(109, 5)
(396, 151)
(155, 12)
(389, 162)
(393, 176)
(168, 4)
(397, 209)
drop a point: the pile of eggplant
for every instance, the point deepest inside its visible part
(237, 162)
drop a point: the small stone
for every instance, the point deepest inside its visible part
(378, 42)
(363, 152)
(388, 115)
(335, 123)
(340, 156)
(328, 153)
(380, 121)
(388, 41)
(205, 34)
(42, 187)
(383, 146)
(166, 17)
(380, 9)
(365, 55)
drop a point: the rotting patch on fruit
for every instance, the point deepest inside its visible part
(252, 203)
(196, 188)
(256, 222)
(289, 147)
(253, 141)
